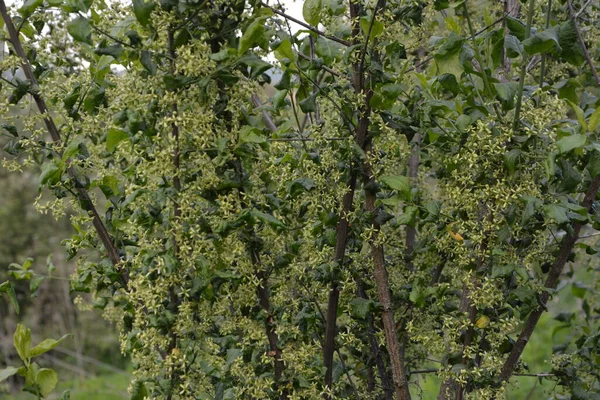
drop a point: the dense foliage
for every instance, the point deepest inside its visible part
(406, 194)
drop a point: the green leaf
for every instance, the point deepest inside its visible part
(311, 11)
(329, 50)
(13, 130)
(34, 284)
(506, 93)
(385, 96)
(232, 355)
(569, 143)
(580, 116)
(510, 160)
(142, 11)
(80, 29)
(47, 345)
(516, 28)
(6, 287)
(29, 7)
(253, 35)
(7, 373)
(114, 137)
(284, 51)
(409, 216)
(51, 174)
(46, 379)
(268, 219)
(531, 205)
(249, 134)
(147, 60)
(139, 391)
(22, 342)
(365, 25)
(556, 213)
(594, 120)
(514, 48)
(542, 42)
(399, 183)
(360, 307)
(569, 43)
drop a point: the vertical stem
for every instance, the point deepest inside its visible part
(380, 275)
(523, 74)
(543, 66)
(383, 373)
(582, 43)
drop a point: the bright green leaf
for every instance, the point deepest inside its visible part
(569, 143)
(22, 342)
(46, 379)
(253, 35)
(399, 183)
(311, 11)
(47, 345)
(249, 134)
(7, 373)
(376, 27)
(114, 137)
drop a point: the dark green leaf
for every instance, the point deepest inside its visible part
(147, 60)
(361, 307)
(80, 29)
(51, 174)
(139, 391)
(142, 11)
(542, 42)
(516, 28)
(6, 287)
(557, 213)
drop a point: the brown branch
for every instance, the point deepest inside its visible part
(266, 116)
(553, 277)
(307, 26)
(85, 200)
(582, 43)
(383, 373)
(380, 275)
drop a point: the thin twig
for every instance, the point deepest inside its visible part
(85, 200)
(556, 269)
(307, 26)
(582, 43)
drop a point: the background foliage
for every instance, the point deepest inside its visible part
(395, 190)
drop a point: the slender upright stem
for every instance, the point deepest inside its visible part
(523, 74)
(586, 53)
(543, 66)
